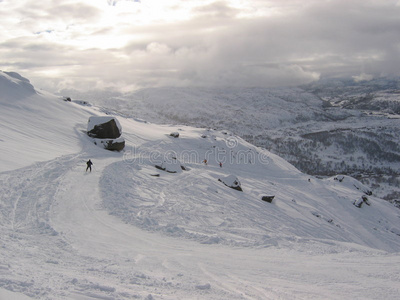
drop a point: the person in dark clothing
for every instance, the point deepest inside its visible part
(89, 165)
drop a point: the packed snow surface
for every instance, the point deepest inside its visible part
(128, 230)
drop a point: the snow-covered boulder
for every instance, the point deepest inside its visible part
(364, 199)
(352, 183)
(104, 127)
(231, 181)
(106, 131)
(174, 134)
(171, 165)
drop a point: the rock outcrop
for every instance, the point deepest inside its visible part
(106, 131)
(364, 199)
(171, 165)
(231, 181)
(174, 134)
(104, 128)
(267, 198)
(112, 145)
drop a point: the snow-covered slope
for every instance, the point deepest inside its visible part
(35, 126)
(128, 230)
(325, 128)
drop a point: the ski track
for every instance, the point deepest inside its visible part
(72, 229)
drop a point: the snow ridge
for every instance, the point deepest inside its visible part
(14, 87)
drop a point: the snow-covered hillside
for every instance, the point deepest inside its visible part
(325, 128)
(129, 230)
(34, 127)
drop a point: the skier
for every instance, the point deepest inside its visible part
(205, 162)
(220, 164)
(89, 165)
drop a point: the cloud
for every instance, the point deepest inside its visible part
(363, 77)
(126, 44)
(115, 2)
(219, 9)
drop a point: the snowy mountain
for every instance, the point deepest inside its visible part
(129, 230)
(34, 127)
(330, 127)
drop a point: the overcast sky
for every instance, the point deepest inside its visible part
(128, 44)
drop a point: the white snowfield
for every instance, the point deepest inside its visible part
(128, 230)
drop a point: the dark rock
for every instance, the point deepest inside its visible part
(160, 168)
(174, 134)
(268, 198)
(115, 145)
(316, 214)
(232, 182)
(104, 128)
(106, 131)
(364, 199)
(83, 103)
(111, 144)
(395, 202)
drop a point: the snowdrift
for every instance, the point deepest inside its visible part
(14, 87)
